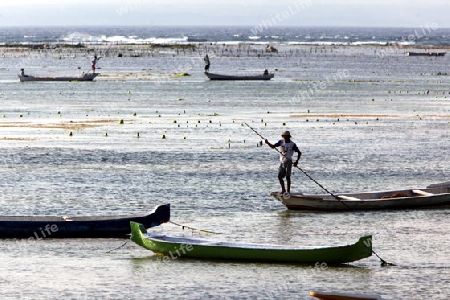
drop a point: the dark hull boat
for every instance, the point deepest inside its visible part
(425, 53)
(73, 227)
(213, 76)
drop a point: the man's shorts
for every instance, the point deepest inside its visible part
(285, 169)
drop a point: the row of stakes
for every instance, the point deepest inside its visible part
(259, 144)
(121, 121)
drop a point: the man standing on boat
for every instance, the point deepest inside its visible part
(207, 63)
(94, 62)
(287, 149)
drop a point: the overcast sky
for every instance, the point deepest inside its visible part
(365, 13)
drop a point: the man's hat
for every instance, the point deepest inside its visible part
(286, 133)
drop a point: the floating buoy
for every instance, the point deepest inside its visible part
(284, 124)
(163, 136)
(20, 116)
(174, 121)
(184, 137)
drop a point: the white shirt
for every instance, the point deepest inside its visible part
(286, 150)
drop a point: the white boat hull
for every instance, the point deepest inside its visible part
(85, 77)
(395, 199)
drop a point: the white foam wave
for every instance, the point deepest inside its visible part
(79, 37)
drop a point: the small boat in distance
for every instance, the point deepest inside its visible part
(83, 77)
(174, 247)
(343, 296)
(213, 76)
(39, 227)
(425, 53)
(433, 195)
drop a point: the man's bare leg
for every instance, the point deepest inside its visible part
(283, 189)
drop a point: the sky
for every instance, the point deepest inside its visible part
(362, 13)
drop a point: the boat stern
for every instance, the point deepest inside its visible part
(160, 215)
(137, 229)
(364, 246)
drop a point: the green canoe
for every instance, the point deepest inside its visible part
(173, 247)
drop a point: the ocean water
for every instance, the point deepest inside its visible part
(365, 118)
(426, 35)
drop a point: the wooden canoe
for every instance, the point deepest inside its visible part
(213, 76)
(83, 77)
(343, 296)
(39, 227)
(174, 247)
(425, 53)
(439, 195)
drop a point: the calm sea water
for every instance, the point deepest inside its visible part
(363, 121)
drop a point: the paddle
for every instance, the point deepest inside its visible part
(383, 262)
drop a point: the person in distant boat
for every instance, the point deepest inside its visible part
(94, 62)
(207, 63)
(266, 72)
(286, 150)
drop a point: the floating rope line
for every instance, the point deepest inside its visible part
(383, 262)
(193, 229)
(117, 247)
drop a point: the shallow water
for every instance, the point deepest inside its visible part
(385, 125)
